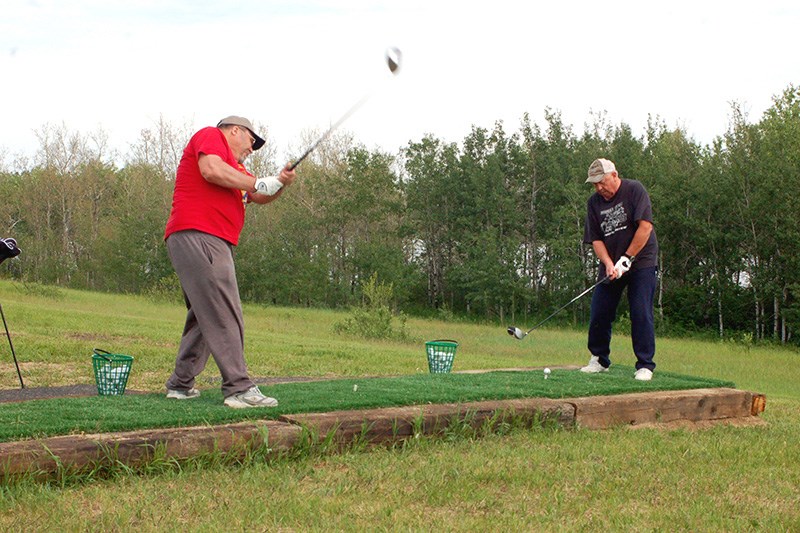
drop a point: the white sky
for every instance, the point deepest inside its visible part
(297, 65)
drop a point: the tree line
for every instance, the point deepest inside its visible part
(489, 228)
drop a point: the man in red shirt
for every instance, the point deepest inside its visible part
(203, 227)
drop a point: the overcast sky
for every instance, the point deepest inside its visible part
(297, 65)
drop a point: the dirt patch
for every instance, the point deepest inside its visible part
(42, 393)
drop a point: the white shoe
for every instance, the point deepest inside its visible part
(250, 398)
(183, 394)
(594, 366)
(643, 374)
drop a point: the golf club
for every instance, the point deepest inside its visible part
(519, 334)
(9, 249)
(393, 58)
(13, 353)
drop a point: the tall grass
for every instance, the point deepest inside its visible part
(724, 478)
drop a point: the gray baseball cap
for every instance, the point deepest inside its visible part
(233, 120)
(598, 169)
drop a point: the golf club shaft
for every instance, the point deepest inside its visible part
(330, 130)
(566, 304)
(13, 353)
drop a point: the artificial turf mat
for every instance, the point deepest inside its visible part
(100, 414)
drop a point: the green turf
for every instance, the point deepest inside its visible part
(42, 418)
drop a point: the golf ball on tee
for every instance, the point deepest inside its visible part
(546, 373)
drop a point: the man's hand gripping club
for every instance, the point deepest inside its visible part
(623, 265)
(270, 185)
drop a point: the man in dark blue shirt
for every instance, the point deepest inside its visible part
(619, 226)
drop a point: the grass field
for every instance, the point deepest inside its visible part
(724, 478)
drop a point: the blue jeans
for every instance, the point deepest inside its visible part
(641, 286)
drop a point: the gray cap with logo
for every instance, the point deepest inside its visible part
(598, 169)
(233, 120)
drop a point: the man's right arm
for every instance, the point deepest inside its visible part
(218, 172)
(601, 252)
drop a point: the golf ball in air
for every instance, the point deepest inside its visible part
(546, 373)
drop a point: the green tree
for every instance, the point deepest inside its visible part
(430, 179)
(776, 199)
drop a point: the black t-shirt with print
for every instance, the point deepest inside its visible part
(615, 222)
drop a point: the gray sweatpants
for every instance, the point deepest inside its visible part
(214, 323)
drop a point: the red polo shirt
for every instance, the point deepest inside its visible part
(200, 205)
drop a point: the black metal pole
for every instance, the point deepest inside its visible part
(13, 353)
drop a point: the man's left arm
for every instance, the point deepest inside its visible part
(639, 238)
(642, 215)
(286, 177)
(639, 241)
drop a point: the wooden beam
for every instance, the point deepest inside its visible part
(599, 412)
(375, 426)
(136, 447)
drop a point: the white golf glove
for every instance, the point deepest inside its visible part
(269, 185)
(623, 265)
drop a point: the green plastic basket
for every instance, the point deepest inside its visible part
(440, 355)
(111, 371)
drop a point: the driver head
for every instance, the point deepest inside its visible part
(516, 332)
(393, 58)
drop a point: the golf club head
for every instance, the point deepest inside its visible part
(393, 58)
(516, 332)
(8, 249)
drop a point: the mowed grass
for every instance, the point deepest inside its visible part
(719, 479)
